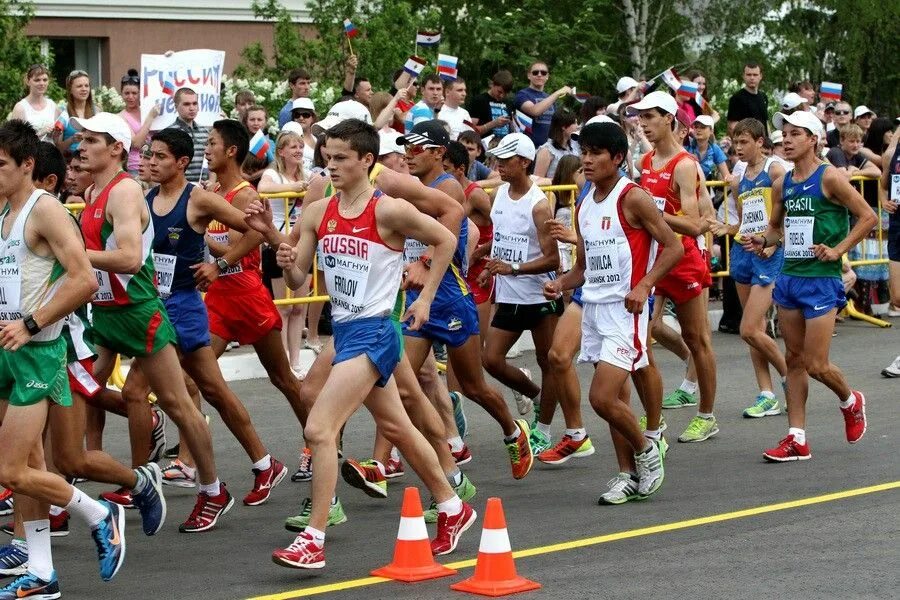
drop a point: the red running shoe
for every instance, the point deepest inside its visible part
(451, 528)
(207, 511)
(519, 451)
(566, 448)
(855, 418)
(59, 525)
(121, 496)
(366, 476)
(264, 482)
(303, 553)
(394, 468)
(787, 451)
(463, 456)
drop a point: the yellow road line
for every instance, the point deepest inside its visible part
(602, 539)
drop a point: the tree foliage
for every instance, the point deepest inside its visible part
(17, 51)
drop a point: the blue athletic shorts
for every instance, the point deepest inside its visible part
(576, 297)
(190, 319)
(375, 337)
(451, 324)
(815, 296)
(749, 269)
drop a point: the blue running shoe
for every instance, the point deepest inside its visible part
(6, 503)
(32, 587)
(151, 502)
(109, 535)
(13, 559)
(459, 415)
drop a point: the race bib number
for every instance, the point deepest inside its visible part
(660, 203)
(346, 279)
(798, 237)
(602, 262)
(895, 187)
(413, 250)
(10, 292)
(510, 248)
(165, 273)
(754, 217)
(104, 292)
(222, 238)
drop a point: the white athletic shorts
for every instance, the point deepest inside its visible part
(611, 334)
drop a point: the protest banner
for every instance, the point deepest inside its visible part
(199, 70)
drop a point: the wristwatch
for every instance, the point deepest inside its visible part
(515, 268)
(222, 264)
(31, 325)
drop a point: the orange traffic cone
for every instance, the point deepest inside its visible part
(413, 560)
(495, 571)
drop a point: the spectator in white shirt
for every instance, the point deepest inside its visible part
(453, 113)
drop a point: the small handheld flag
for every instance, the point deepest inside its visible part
(670, 76)
(414, 66)
(580, 97)
(831, 91)
(523, 122)
(701, 101)
(168, 87)
(446, 67)
(428, 38)
(688, 89)
(350, 29)
(259, 144)
(61, 122)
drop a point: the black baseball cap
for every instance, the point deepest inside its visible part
(431, 134)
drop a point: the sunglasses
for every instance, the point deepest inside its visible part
(842, 112)
(304, 115)
(131, 79)
(540, 72)
(415, 150)
(77, 73)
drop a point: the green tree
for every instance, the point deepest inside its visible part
(17, 51)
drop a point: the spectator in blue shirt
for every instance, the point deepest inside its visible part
(298, 80)
(427, 108)
(710, 155)
(537, 104)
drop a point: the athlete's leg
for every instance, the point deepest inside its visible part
(816, 347)
(694, 320)
(203, 368)
(140, 416)
(434, 387)
(649, 385)
(173, 398)
(542, 334)
(566, 342)
(793, 331)
(314, 315)
(498, 343)
(756, 301)
(274, 360)
(604, 398)
(484, 319)
(293, 317)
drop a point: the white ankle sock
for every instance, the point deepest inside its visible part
(264, 463)
(317, 536)
(212, 489)
(544, 428)
(849, 401)
(799, 434)
(577, 434)
(452, 507)
(86, 508)
(456, 443)
(688, 386)
(37, 538)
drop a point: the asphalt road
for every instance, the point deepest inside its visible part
(831, 547)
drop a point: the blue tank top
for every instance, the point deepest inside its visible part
(176, 246)
(762, 180)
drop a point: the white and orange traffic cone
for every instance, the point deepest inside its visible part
(413, 560)
(495, 570)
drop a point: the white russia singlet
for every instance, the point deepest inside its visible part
(516, 241)
(617, 255)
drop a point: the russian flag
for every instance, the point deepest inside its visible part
(701, 101)
(414, 66)
(831, 91)
(671, 78)
(446, 66)
(61, 122)
(259, 144)
(523, 122)
(168, 87)
(428, 38)
(688, 89)
(350, 29)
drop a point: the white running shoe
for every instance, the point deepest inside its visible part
(893, 369)
(523, 403)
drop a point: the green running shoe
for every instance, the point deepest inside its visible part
(465, 490)
(699, 430)
(763, 407)
(540, 441)
(336, 516)
(642, 423)
(679, 399)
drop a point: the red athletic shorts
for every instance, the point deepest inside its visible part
(81, 377)
(479, 294)
(244, 317)
(687, 279)
(707, 260)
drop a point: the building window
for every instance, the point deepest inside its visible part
(70, 54)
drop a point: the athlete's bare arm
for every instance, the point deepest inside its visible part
(433, 202)
(572, 278)
(838, 190)
(239, 244)
(689, 222)
(775, 230)
(641, 212)
(126, 211)
(204, 207)
(53, 233)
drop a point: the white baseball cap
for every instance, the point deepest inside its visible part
(591, 121)
(660, 100)
(626, 83)
(776, 137)
(791, 101)
(105, 122)
(705, 120)
(304, 103)
(514, 144)
(861, 110)
(346, 109)
(614, 107)
(292, 127)
(801, 118)
(388, 143)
